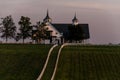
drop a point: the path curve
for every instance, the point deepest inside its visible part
(65, 44)
(45, 65)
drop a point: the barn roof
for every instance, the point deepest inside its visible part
(63, 28)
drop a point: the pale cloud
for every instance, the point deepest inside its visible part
(90, 5)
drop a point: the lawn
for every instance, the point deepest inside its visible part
(22, 62)
(51, 64)
(89, 63)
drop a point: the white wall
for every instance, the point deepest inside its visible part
(55, 31)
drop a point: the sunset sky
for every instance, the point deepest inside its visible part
(103, 16)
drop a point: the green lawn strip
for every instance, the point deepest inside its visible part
(51, 64)
(64, 66)
(22, 62)
(89, 63)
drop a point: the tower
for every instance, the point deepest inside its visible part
(47, 19)
(75, 20)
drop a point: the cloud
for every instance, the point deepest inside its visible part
(90, 5)
(110, 5)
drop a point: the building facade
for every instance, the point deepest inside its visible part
(60, 33)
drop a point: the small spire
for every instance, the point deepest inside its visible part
(75, 16)
(47, 18)
(75, 20)
(47, 13)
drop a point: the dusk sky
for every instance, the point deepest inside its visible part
(103, 16)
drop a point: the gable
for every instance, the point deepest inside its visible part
(62, 28)
(54, 31)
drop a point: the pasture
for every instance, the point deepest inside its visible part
(51, 64)
(22, 61)
(89, 63)
(25, 62)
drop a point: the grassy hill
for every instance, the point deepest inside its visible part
(89, 63)
(22, 62)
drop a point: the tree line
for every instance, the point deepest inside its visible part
(9, 30)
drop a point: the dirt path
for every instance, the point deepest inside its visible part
(56, 64)
(66, 44)
(42, 72)
(52, 78)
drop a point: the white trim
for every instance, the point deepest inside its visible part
(56, 31)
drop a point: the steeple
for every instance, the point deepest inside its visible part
(47, 18)
(75, 20)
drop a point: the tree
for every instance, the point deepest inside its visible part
(25, 28)
(41, 32)
(8, 28)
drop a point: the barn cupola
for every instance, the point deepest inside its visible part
(75, 20)
(47, 19)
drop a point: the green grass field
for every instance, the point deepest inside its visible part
(22, 62)
(89, 63)
(51, 64)
(25, 62)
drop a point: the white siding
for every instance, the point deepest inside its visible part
(55, 32)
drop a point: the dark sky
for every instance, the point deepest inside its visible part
(103, 16)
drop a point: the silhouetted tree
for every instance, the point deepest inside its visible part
(8, 28)
(41, 32)
(17, 37)
(25, 28)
